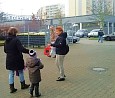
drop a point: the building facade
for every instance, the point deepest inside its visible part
(84, 7)
(49, 12)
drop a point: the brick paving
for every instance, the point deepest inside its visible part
(81, 81)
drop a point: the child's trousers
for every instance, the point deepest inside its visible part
(36, 87)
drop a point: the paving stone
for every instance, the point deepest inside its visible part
(81, 80)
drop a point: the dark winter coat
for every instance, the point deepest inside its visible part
(14, 49)
(34, 65)
(60, 44)
(100, 33)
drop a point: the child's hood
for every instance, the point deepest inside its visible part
(31, 62)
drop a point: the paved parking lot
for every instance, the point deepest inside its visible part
(89, 67)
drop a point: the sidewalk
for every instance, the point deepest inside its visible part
(82, 81)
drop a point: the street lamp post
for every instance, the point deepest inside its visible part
(75, 7)
(28, 37)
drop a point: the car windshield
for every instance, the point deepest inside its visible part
(95, 30)
(80, 30)
(70, 33)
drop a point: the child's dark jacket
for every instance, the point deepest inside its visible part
(34, 65)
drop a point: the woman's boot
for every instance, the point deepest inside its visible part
(12, 89)
(23, 85)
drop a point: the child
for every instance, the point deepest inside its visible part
(34, 65)
(52, 40)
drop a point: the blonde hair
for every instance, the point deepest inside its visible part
(12, 31)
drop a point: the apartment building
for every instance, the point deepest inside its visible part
(51, 11)
(84, 7)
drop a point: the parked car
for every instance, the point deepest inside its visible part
(82, 33)
(70, 32)
(109, 37)
(93, 33)
(71, 36)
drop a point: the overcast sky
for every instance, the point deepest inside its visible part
(26, 7)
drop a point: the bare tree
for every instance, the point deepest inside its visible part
(100, 9)
(41, 15)
(59, 15)
(34, 23)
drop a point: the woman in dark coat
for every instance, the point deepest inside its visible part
(14, 58)
(60, 45)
